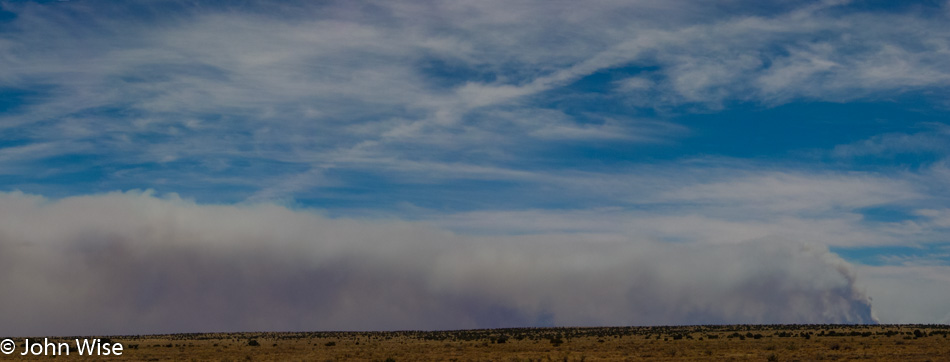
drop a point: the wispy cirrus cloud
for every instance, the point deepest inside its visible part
(281, 86)
(933, 140)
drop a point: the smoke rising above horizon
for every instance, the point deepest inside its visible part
(130, 263)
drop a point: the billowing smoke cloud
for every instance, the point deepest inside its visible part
(136, 263)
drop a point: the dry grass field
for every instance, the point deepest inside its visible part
(688, 343)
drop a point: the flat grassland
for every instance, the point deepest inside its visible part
(688, 343)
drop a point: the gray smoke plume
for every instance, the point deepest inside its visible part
(127, 263)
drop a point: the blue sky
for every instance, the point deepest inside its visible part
(674, 122)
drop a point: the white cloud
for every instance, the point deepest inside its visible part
(332, 78)
(634, 84)
(890, 144)
(722, 204)
(936, 217)
(781, 192)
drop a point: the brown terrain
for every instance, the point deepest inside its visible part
(686, 343)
